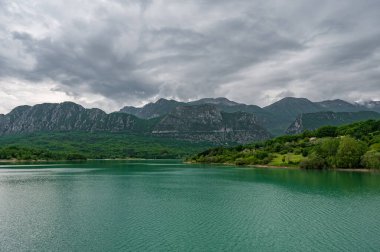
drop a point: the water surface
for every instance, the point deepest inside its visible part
(170, 206)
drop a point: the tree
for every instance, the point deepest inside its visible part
(350, 152)
(327, 149)
(327, 131)
(371, 160)
(313, 162)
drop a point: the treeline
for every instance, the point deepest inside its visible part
(96, 145)
(24, 153)
(351, 146)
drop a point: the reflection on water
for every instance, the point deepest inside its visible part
(168, 206)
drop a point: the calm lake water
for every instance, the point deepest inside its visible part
(169, 206)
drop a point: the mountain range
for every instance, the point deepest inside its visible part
(276, 118)
(214, 120)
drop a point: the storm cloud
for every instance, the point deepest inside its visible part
(114, 53)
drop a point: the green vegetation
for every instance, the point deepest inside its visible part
(351, 146)
(24, 153)
(96, 145)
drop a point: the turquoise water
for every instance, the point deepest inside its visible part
(169, 206)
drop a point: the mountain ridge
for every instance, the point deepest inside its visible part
(69, 116)
(229, 116)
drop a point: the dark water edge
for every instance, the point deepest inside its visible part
(150, 205)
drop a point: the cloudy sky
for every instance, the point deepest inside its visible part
(122, 52)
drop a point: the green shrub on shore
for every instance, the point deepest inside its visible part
(371, 160)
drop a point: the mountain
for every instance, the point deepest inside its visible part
(153, 110)
(339, 106)
(163, 107)
(191, 123)
(207, 123)
(370, 105)
(65, 116)
(276, 117)
(290, 107)
(220, 101)
(311, 121)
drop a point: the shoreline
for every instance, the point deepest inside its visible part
(362, 170)
(79, 160)
(292, 167)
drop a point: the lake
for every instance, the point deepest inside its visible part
(169, 206)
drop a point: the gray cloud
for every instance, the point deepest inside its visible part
(128, 52)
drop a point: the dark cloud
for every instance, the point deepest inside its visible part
(127, 51)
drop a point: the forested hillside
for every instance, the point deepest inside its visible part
(351, 146)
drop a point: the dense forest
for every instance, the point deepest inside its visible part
(355, 145)
(93, 145)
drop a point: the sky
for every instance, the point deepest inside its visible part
(108, 54)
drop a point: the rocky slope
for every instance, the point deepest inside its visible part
(208, 123)
(192, 123)
(276, 117)
(311, 121)
(65, 116)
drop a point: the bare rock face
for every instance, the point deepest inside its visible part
(207, 123)
(63, 117)
(193, 123)
(311, 121)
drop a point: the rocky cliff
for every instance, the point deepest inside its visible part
(193, 123)
(65, 116)
(208, 123)
(311, 121)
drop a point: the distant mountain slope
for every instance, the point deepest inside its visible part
(65, 116)
(290, 107)
(311, 121)
(275, 117)
(196, 123)
(208, 123)
(220, 101)
(339, 106)
(370, 105)
(162, 107)
(251, 121)
(153, 110)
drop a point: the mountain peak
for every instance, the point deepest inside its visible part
(293, 99)
(217, 101)
(162, 100)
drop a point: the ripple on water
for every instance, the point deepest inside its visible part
(150, 207)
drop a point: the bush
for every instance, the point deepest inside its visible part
(313, 162)
(326, 131)
(305, 152)
(327, 147)
(349, 153)
(371, 160)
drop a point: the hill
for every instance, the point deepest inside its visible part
(351, 146)
(312, 121)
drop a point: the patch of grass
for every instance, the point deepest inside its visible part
(289, 159)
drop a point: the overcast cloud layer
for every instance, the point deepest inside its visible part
(113, 53)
